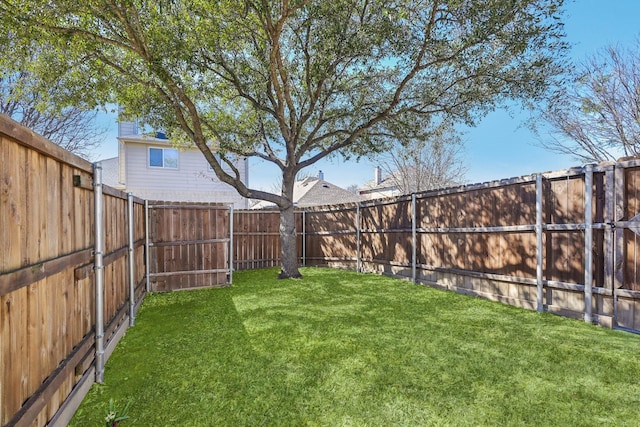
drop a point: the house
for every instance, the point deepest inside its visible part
(152, 168)
(315, 191)
(404, 181)
(379, 187)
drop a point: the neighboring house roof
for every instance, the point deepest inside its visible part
(393, 184)
(313, 191)
(386, 184)
(378, 186)
(145, 139)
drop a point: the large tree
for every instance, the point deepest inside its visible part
(596, 117)
(74, 128)
(293, 81)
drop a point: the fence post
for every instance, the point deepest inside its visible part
(609, 235)
(618, 236)
(414, 243)
(231, 244)
(539, 248)
(588, 243)
(146, 246)
(99, 270)
(304, 238)
(358, 254)
(132, 286)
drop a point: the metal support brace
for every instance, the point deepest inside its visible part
(358, 251)
(304, 238)
(618, 237)
(132, 262)
(539, 248)
(231, 244)
(414, 242)
(588, 244)
(99, 270)
(146, 246)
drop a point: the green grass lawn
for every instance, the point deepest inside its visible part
(339, 348)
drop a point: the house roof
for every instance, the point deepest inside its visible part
(144, 139)
(388, 183)
(313, 191)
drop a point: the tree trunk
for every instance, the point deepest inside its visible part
(288, 243)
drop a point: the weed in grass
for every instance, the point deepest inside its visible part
(340, 348)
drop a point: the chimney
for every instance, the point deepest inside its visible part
(320, 175)
(126, 128)
(377, 175)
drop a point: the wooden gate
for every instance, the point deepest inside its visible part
(189, 245)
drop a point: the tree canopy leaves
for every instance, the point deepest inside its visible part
(292, 81)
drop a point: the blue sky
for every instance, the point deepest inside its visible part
(500, 146)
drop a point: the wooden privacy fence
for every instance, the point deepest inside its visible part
(256, 239)
(564, 242)
(60, 316)
(189, 245)
(76, 257)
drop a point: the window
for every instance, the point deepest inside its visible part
(163, 158)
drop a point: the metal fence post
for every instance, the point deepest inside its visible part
(588, 243)
(358, 252)
(414, 243)
(132, 287)
(620, 194)
(539, 248)
(304, 238)
(99, 270)
(231, 244)
(147, 267)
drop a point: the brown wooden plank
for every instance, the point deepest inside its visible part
(36, 309)
(49, 325)
(4, 350)
(7, 406)
(53, 209)
(17, 210)
(79, 215)
(35, 200)
(189, 272)
(17, 279)
(66, 211)
(32, 140)
(15, 371)
(176, 234)
(5, 180)
(110, 191)
(36, 402)
(632, 242)
(108, 236)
